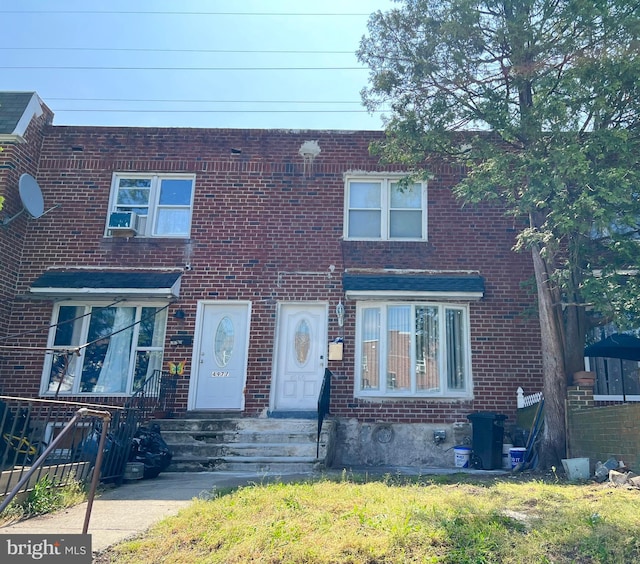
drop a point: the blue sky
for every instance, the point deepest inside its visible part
(125, 61)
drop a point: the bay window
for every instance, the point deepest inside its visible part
(412, 349)
(116, 348)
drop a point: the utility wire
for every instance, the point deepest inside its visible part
(204, 101)
(149, 50)
(21, 67)
(219, 111)
(165, 13)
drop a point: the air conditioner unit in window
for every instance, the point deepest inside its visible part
(123, 224)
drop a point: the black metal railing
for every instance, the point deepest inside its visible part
(155, 398)
(34, 473)
(28, 427)
(324, 401)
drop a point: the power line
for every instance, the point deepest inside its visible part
(219, 111)
(184, 68)
(164, 13)
(205, 101)
(149, 50)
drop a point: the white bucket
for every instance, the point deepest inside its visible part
(462, 455)
(506, 457)
(576, 468)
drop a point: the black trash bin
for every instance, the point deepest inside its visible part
(488, 434)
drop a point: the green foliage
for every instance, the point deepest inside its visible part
(506, 520)
(539, 100)
(45, 497)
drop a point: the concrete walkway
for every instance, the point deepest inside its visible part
(129, 510)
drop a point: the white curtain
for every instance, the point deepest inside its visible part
(115, 369)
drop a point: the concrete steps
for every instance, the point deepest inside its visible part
(239, 444)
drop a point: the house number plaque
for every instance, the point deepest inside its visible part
(220, 374)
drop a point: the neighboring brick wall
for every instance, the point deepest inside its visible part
(266, 230)
(599, 433)
(16, 159)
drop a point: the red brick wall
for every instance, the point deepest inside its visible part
(266, 230)
(16, 159)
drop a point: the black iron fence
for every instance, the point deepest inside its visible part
(28, 427)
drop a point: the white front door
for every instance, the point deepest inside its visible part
(219, 365)
(300, 356)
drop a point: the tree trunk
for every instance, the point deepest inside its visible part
(554, 389)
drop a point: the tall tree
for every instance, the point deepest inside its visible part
(540, 101)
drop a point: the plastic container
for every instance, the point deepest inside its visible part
(462, 455)
(576, 468)
(134, 471)
(488, 434)
(506, 457)
(516, 454)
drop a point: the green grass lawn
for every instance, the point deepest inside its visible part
(453, 519)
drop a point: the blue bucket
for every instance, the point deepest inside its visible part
(517, 456)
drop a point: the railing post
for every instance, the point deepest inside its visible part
(106, 418)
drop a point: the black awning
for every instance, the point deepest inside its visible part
(107, 283)
(471, 286)
(618, 345)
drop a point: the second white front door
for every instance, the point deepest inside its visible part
(300, 356)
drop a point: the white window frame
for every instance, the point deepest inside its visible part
(150, 220)
(386, 181)
(83, 332)
(414, 393)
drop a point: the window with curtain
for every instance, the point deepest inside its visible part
(163, 203)
(380, 208)
(120, 346)
(412, 349)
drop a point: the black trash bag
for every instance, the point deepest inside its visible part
(150, 448)
(114, 454)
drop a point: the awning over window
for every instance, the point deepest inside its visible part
(429, 286)
(100, 283)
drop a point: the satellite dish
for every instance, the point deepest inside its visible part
(31, 196)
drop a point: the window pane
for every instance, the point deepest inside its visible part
(68, 327)
(302, 342)
(106, 361)
(148, 365)
(406, 196)
(135, 183)
(151, 333)
(406, 224)
(455, 350)
(173, 221)
(64, 366)
(175, 192)
(364, 224)
(370, 346)
(427, 349)
(364, 195)
(133, 197)
(224, 341)
(399, 348)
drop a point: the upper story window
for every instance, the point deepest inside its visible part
(384, 208)
(161, 205)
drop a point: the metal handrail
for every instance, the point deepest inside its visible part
(324, 400)
(82, 412)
